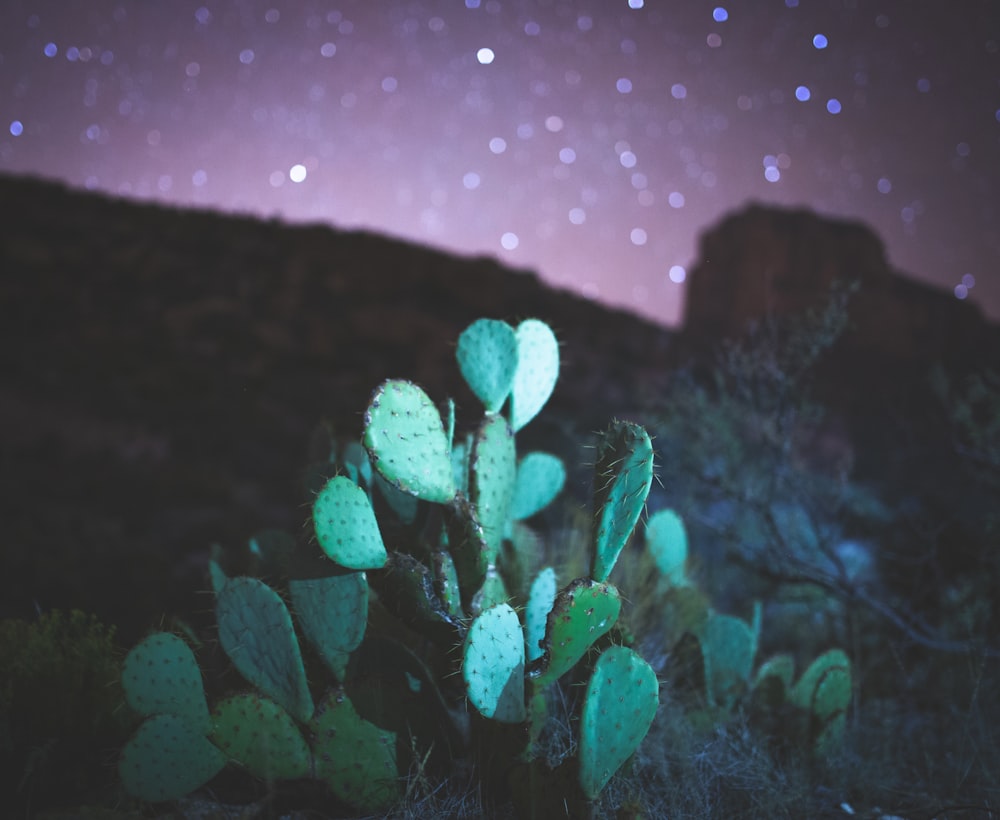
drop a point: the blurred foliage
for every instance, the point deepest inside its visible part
(59, 707)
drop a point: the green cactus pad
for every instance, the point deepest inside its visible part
(332, 613)
(494, 467)
(256, 632)
(487, 358)
(261, 736)
(493, 665)
(727, 646)
(161, 676)
(540, 601)
(621, 702)
(166, 759)
(407, 443)
(623, 475)
(537, 371)
(666, 540)
(581, 614)
(345, 525)
(540, 478)
(354, 757)
(780, 667)
(803, 692)
(825, 691)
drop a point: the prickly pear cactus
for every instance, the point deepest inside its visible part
(540, 478)
(256, 632)
(581, 614)
(161, 676)
(493, 665)
(167, 758)
(537, 371)
(258, 734)
(728, 646)
(824, 691)
(333, 613)
(487, 355)
(407, 443)
(353, 756)
(540, 601)
(666, 540)
(621, 702)
(345, 525)
(493, 467)
(623, 475)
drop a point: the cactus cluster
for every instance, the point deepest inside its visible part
(723, 648)
(424, 534)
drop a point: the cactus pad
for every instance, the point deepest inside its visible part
(332, 613)
(345, 525)
(540, 478)
(623, 475)
(261, 736)
(353, 756)
(621, 702)
(537, 371)
(727, 645)
(166, 759)
(540, 601)
(161, 676)
(487, 357)
(581, 614)
(666, 540)
(494, 467)
(825, 691)
(256, 632)
(407, 443)
(493, 665)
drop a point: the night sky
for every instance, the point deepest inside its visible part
(590, 141)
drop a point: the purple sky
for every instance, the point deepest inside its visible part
(591, 141)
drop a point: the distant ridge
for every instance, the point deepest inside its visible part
(163, 369)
